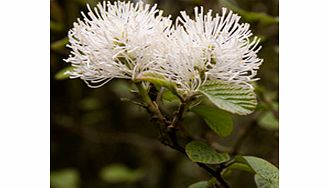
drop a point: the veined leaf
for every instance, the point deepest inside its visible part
(265, 183)
(262, 167)
(232, 97)
(218, 120)
(266, 174)
(201, 152)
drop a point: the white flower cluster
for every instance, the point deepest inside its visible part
(126, 40)
(116, 41)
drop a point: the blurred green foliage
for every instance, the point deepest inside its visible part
(94, 130)
(118, 173)
(68, 178)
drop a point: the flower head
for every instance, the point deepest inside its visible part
(126, 40)
(115, 41)
(210, 48)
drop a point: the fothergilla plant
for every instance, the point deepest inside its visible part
(207, 63)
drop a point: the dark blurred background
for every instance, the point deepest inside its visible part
(100, 141)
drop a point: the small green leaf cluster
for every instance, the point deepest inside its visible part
(266, 174)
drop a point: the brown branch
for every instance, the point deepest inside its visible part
(178, 115)
(215, 173)
(168, 130)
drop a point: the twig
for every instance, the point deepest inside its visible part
(150, 106)
(168, 131)
(178, 115)
(176, 146)
(160, 94)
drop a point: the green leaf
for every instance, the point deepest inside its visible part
(118, 173)
(241, 166)
(264, 183)
(266, 174)
(169, 96)
(251, 16)
(262, 167)
(200, 184)
(218, 120)
(232, 97)
(61, 75)
(201, 152)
